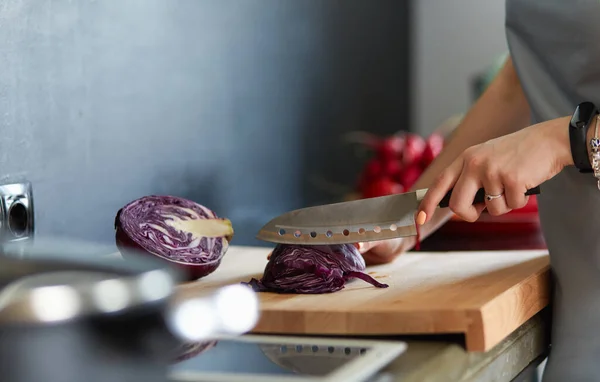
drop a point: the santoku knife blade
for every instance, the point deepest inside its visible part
(380, 218)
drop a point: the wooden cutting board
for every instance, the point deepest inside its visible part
(485, 295)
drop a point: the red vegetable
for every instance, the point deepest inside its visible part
(433, 148)
(312, 269)
(410, 175)
(391, 148)
(184, 233)
(382, 187)
(413, 149)
(373, 169)
(392, 168)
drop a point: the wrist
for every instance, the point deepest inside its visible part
(562, 146)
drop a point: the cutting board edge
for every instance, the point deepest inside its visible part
(480, 337)
(344, 334)
(442, 321)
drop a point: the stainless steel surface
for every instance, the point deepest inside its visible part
(62, 280)
(60, 296)
(380, 218)
(17, 213)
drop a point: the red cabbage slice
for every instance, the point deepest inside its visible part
(312, 269)
(183, 232)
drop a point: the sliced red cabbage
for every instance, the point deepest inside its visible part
(312, 269)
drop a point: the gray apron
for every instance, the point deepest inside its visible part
(555, 45)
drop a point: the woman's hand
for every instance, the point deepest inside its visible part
(506, 166)
(384, 251)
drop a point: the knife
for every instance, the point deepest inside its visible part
(379, 218)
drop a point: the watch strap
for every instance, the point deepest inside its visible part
(578, 130)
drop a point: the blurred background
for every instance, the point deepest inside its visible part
(240, 105)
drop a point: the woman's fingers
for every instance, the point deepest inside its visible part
(479, 207)
(496, 206)
(461, 201)
(515, 195)
(493, 186)
(482, 166)
(445, 181)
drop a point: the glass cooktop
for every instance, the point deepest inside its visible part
(285, 358)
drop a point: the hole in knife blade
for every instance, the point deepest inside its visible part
(313, 234)
(329, 234)
(281, 232)
(377, 229)
(393, 227)
(346, 232)
(361, 231)
(297, 233)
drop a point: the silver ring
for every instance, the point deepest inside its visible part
(492, 197)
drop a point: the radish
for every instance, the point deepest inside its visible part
(410, 175)
(391, 148)
(433, 147)
(382, 187)
(373, 169)
(413, 149)
(392, 168)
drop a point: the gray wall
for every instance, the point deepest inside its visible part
(451, 42)
(236, 104)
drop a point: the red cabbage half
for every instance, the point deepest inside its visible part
(178, 230)
(312, 269)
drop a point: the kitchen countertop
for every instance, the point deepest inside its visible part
(438, 359)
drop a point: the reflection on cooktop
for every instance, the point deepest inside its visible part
(273, 359)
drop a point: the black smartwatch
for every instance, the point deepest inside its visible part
(578, 129)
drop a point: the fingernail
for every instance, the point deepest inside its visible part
(359, 246)
(421, 217)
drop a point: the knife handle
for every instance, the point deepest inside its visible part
(480, 196)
